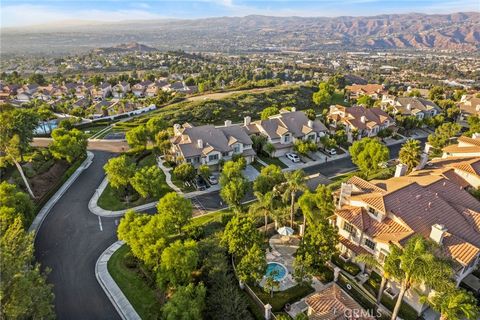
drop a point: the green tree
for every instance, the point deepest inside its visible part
(68, 144)
(268, 112)
(240, 234)
(295, 182)
(443, 135)
(365, 101)
(265, 204)
(473, 125)
(25, 293)
(138, 137)
(258, 143)
(252, 266)
(187, 303)
(234, 191)
(184, 171)
(454, 304)
(410, 154)
(174, 213)
(154, 126)
(327, 142)
(269, 177)
(436, 93)
(162, 141)
(310, 113)
(204, 171)
(372, 263)
(368, 154)
(178, 262)
(304, 147)
(119, 171)
(147, 181)
(323, 96)
(414, 265)
(270, 283)
(414, 93)
(19, 202)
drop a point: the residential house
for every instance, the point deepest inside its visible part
(410, 106)
(11, 89)
(153, 89)
(282, 130)
(209, 144)
(376, 91)
(121, 89)
(83, 90)
(332, 303)
(469, 106)
(102, 91)
(465, 147)
(23, 96)
(103, 108)
(138, 89)
(372, 215)
(29, 88)
(364, 122)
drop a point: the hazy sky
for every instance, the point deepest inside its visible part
(25, 12)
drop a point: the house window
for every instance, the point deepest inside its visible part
(373, 211)
(349, 228)
(287, 138)
(213, 157)
(381, 257)
(236, 149)
(369, 243)
(189, 160)
(225, 154)
(311, 137)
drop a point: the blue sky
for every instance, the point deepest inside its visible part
(25, 12)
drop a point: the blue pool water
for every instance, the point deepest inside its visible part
(281, 271)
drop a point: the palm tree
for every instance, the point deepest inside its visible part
(410, 154)
(371, 262)
(265, 204)
(414, 265)
(295, 182)
(454, 304)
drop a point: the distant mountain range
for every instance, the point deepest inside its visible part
(126, 47)
(457, 31)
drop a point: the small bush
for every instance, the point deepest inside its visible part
(325, 275)
(130, 261)
(349, 266)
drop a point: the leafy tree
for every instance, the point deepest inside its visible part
(137, 137)
(119, 171)
(184, 171)
(147, 181)
(457, 95)
(240, 234)
(408, 123)
(414, 265)
(410, 154)
(473, 125)
(270, 283)
(365, 101)
(337, 81)
(268, 112)
(234, 191)
(323, 96)
(252, 266)
(372, 263)
(340, 137)
(68, 144)
(37, 78)
(443, 135)
(269, 148)
(269, 177)
(304, 147)
(178, 262)
(204, 171)
(154, 126)
(258, 142)
(310, 113)
(162, 141)
(327, 142)
(265, 205)
(25, 293)
(436, 93)
(174, 213)
(295, 182)
(454, 304)
(368, 154)
(384, 133)
(414, 93)
(142, 235)
(187, 303)
(19, 202)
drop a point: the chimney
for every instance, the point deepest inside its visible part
(228, 123)
(363, 119)
(401, 170)
(200, 143)
(247, 120)
(438, 232)
(310, 124)
(423, 161)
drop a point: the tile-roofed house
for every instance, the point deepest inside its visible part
(138, 89)
(209, 144)
(332, 303)
(373, 90)
(366, 121)
(465, 147)
(103, 108)
(410, 106)
(430, 203)
(120, 89)
(153, 88)
(284, 129)
(102, 91)
(469, 106)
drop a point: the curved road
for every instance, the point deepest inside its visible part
(71, 239)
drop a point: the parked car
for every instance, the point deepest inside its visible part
(331, 151)
(212, 180)
(293, 157)
(200, 183)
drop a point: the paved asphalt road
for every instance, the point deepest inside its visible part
(71, 239)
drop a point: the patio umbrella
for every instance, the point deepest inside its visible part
(285, 231)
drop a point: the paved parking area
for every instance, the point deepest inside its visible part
(250, 173)
(198, 207)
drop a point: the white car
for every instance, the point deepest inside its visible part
(331, 151)
(293, 157)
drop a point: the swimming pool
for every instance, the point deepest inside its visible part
(279, 270)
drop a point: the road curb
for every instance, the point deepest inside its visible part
(110, 287)
(42, 214)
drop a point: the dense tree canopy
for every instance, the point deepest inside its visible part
(368, 154)
(174, 212)
(68, 144)
(187, 303)
(178, 262)
(147, 181)
(268, 112)
(119, 171)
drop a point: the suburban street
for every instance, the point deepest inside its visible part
(71, 239)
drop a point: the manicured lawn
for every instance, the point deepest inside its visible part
(338, 98)
(275, 161)
(280, 298)
(257, 165)
(143, 298)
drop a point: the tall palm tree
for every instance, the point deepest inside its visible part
(414, 265)
(410, 154)
(295, 182)
(371, 262)
(265, 204)
(454, 304)
(307, 202)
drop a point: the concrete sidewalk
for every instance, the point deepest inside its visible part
(112, 290)
(42, 214)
